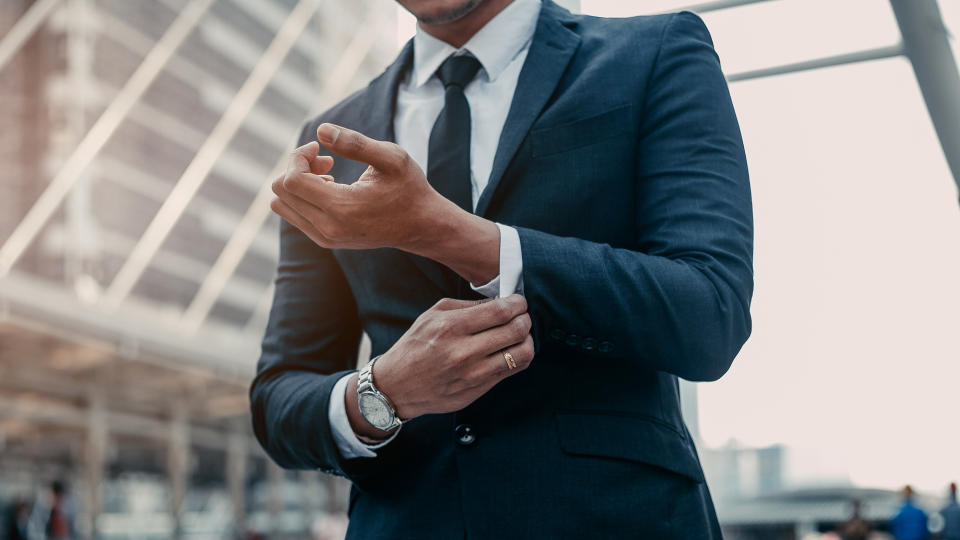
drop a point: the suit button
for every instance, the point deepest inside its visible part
(465, 434)
(605, 347)
(556, 334)
(588, 344)
(572, 340)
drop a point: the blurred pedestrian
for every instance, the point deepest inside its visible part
(18, 520)
(855, 528)
(951, 516)
(53, 516)
(910, 523)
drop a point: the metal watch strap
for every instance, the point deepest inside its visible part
(365, 385)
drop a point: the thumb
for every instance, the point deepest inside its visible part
(383, 155)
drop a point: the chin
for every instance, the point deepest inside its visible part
(439, 11)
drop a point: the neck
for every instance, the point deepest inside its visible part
(458, 32)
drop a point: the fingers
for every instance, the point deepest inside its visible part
(297, 220)
(383, 155)
(496, 312)
(302, 157)
(306, 177)
(449, 304)
(304, 205)
(321, 164)
(522, 354)
(500, 337)
(302, 188)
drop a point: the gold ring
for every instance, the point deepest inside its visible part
(511, 363)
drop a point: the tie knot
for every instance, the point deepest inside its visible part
(458, 70)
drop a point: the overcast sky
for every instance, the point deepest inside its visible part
(855, 355)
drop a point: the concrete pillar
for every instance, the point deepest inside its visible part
(236, 474)
(94, 458)
(275, 476)
(310, 497)
(178, 463)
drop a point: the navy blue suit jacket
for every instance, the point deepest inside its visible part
(622, 167)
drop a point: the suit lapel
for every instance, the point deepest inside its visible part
(550, 51)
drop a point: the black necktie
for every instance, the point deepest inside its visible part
(448, 156)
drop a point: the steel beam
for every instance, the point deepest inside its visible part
(926, 41)
(261, 313)
(73, 167)
(878, 53)
(25, 26)
(208, 154)
(717, 5)
(118, 424)
(137, 333)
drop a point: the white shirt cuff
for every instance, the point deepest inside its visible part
(347, 442)
(510, 279)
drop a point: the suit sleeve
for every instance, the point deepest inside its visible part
(312, 340)
(680, 302)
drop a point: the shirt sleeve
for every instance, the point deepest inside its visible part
(510, 278)
(347, 442)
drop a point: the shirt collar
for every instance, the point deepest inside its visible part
(495, 45)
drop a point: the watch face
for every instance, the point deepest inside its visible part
(375, 411)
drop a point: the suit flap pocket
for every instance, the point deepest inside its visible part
(628, 437)
(560, 138)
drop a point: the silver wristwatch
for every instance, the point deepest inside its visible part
(374, 406)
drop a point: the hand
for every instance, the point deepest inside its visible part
(449, 357)
(390, 205)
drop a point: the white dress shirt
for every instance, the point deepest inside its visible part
(501, 47)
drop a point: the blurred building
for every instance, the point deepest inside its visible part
(137, 253)
(133, 299)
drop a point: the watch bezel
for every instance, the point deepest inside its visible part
(367, 389)
(364, 403)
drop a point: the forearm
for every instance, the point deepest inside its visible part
(687, 316)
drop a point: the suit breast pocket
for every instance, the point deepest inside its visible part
(571, 135)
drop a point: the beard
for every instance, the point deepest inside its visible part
(450, 15)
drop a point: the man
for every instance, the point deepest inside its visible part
(951, 516)
(855, 528)
(593, 165)
(910, 523)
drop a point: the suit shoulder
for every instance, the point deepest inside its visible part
(646, 28)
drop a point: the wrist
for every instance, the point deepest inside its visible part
(466, 243)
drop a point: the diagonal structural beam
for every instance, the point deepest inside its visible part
(230, 257)
(927, 45)
(717, 5)
(226, 264)
(206, 157)
(24, 28)
(95, 139)
(261, 313)
(878, 53)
